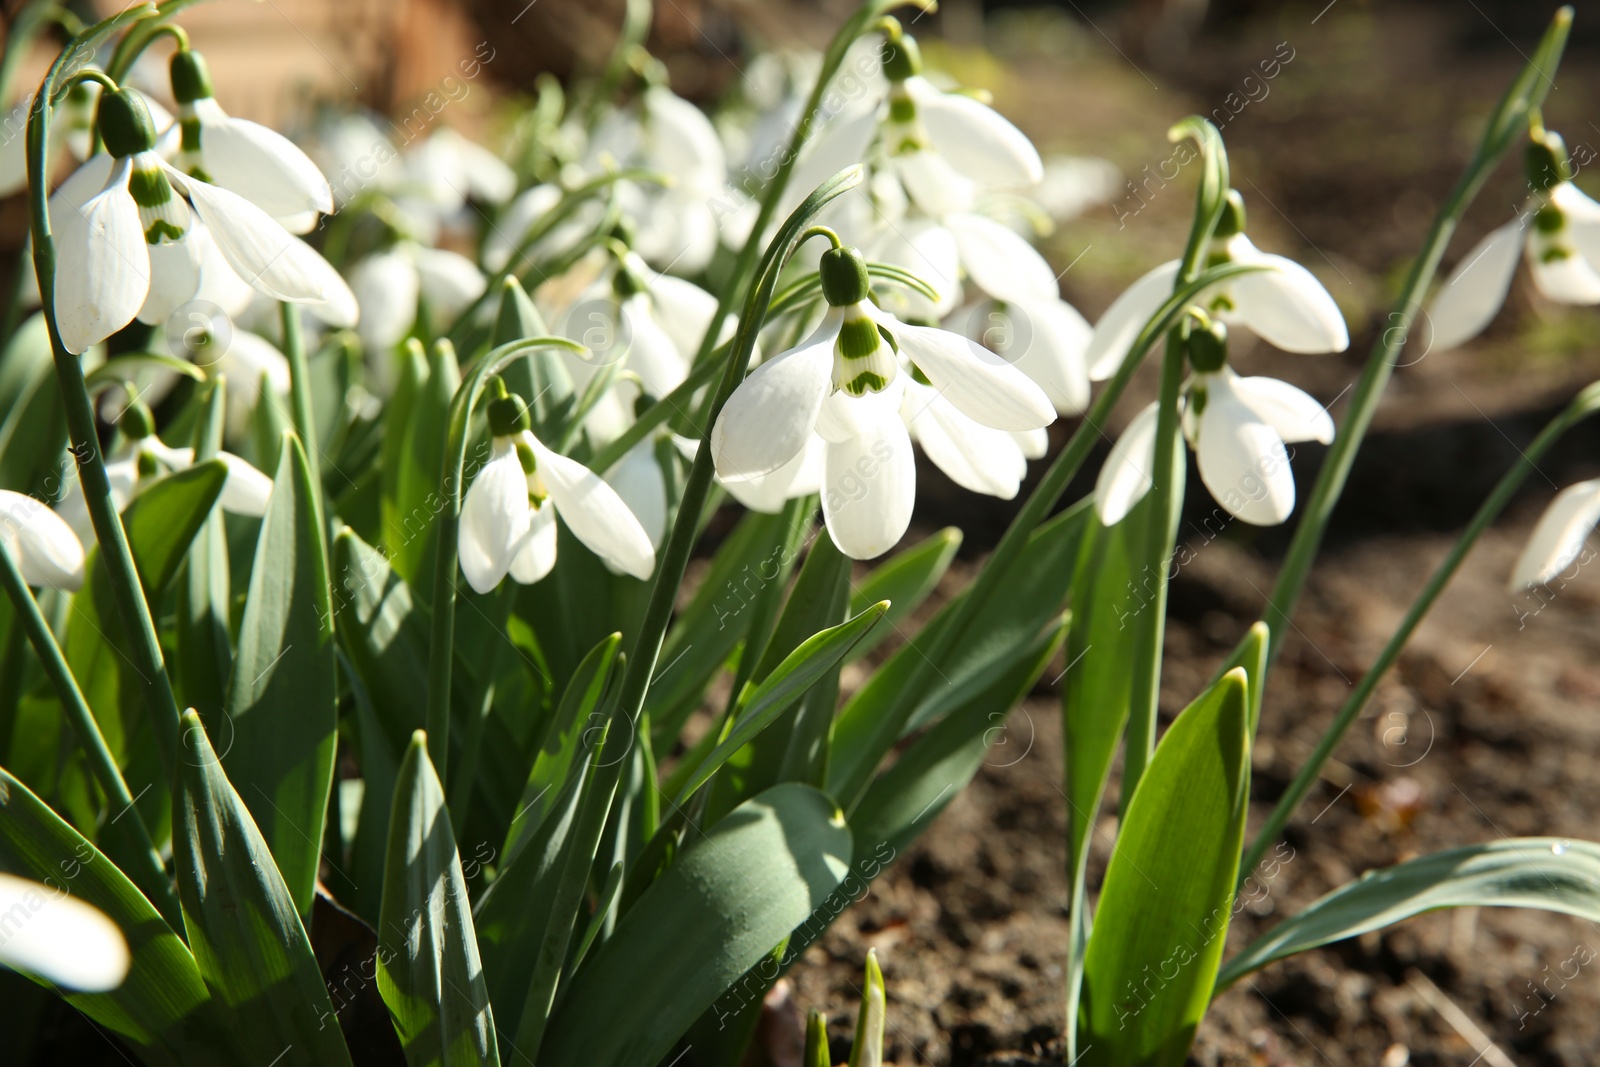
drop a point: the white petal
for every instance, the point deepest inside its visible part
(494, 518)
(83, 184)
(682, 140)
(1242, 459)
(1034, 443)
(975, 138)
(268, 257)
(801, 476)
(519, 216)
(651, 353)
(974, 457)
(1566, 279)
(1286, 306)
(220, 284)
(1127, 474)
(246, 490)
(386, 286)
(486, 174)
(1000, 262)
(102, 265)
(174, 279)
(536, 555)
(683, 310)
(450, 281)
(1047, 340)
(767, 420)
(638, 480)
(595, 513)
(61, 939)
(1114, 334)
(1293, 413)
(43, 546)
(979, 383)
(933, 184)
(870, 487)
(1472, 295)
(843, 140)
(927, 249)
(1559, 538)
(263, 166)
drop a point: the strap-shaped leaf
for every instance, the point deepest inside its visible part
(162, 1007)
(716, 912)
(244, 928)
(380, 630)
(205, 592)
(904, 580)
(1168, 891)
(429, 972)
(282, 696)
(578, 713)
(1547, 873)
(160, 523)
(798, 672)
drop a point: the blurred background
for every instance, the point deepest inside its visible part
(1347, 122)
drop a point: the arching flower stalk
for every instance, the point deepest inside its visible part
(845, 383)
(508, 518)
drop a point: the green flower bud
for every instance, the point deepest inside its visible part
(124, 122)
(508, 416)
(901, 58)
(1232, 220)
(1546, 161)
(1208, 347)
(191, 80)
(136, 421)
(844, 276)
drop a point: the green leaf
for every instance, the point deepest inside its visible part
(418, 502)
(161, 522)
(540, 378)
(411, 377)
(1168, 890)
(282, 697)
(732, 895)
(205, 645)
(429, 973)
(1547, 873)
(162, 1007)
(904, 580)
(128, 365)
(381, 631)
(799, 671)
(578, 713)
(1031, 593)
(242, 920)
(33, 428)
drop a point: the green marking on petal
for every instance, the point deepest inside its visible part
(1555, 254)
(162, 230)
(149, 188)
(902, 109)
(864, 383)
(191, 135)
(858, 339)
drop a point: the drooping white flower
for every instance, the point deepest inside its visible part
(448, 170)
(1237, 427)
(976, 457)
(508, 515)
(244, 157)
(54, 935)
(43, 546)
(123, 251)
(845, 384)
(1557, 232)
(146, 459)
(1284, 305)
(1558, 541)
(389, 284)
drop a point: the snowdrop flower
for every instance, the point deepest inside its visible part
(1237, 428)
(124, 250)
(1558, 233)
(508, 516)
(678, 223)
(974, 456)
(1284, 305)
(388, 285)
(446, 169)
(1558, 540)
(43, 546)
(244, 157)
(146, 459)
(845, 384)
(61, 939)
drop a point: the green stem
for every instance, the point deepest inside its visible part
(1144, 694)
(145, 647)
(443, 622)
(1505, 126)
(1586, 403)
(294, 350)
(147, 872)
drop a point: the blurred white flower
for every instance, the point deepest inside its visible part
(41, 543)
(1558, 540)
(54, 935)
(389, 284)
